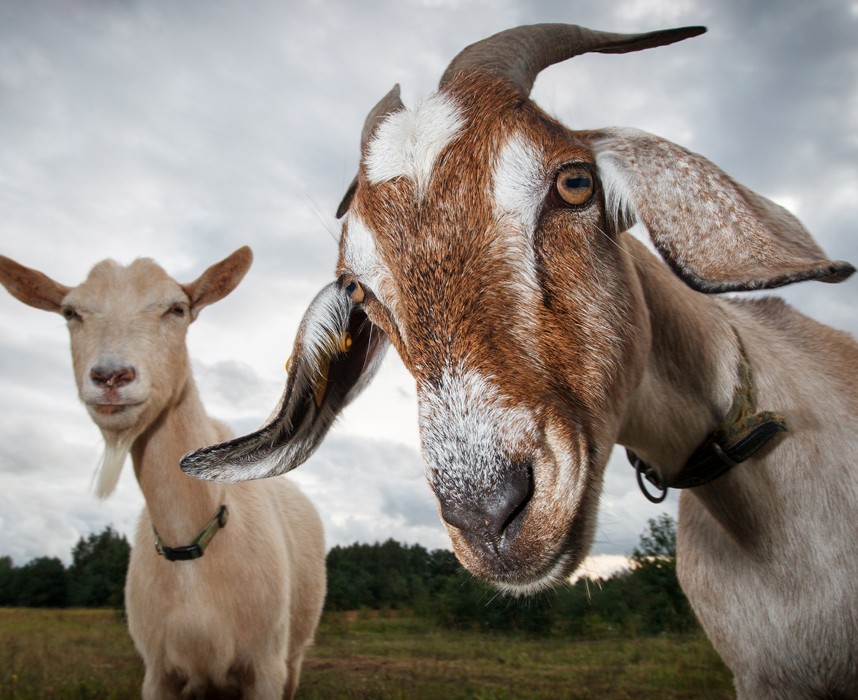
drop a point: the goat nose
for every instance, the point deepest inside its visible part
(112, 377)
(488, 514)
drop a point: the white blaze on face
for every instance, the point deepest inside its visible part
(470, 433)
(519, 182)
(362, 258)
(407, 142)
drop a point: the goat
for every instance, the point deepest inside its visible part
(237, 621)
(490, 246)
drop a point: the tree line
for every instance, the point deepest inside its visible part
(95, 578)
(643, 599)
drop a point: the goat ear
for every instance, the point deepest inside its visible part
(337, 352)
(218, 280)
(31, 286)
(716, 234)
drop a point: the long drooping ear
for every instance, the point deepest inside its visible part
(337, 352)
(218, 280)
(716, 234)
(31, 286)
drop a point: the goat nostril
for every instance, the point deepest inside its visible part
(491, 512)
(112, 377)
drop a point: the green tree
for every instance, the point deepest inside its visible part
(97, 573)
(8, 584)
(386, 575)
(659, 603)
(657, 543)
(42, 583)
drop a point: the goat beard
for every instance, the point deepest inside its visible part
(116, 449)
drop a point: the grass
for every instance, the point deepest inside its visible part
(79, 654)
(82, 654)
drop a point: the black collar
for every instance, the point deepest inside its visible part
(197, 548)
(743, 431)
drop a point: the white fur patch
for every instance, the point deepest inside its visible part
(468, 432)
(324, 321)
(518, 191)
(619, 193)
(519, 182)
(361, 255)
(407, 142)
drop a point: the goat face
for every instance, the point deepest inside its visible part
(486, 242)
(492, 287)
(128, 327)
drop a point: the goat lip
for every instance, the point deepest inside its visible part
(112, 408)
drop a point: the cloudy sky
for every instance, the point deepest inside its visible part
(182, 131)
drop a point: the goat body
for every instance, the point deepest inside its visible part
(237, 621)
(490, 246)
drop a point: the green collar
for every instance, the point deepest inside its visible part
(198, 546)
(742, 433)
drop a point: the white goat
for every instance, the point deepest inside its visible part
(237, 621)
(489, 244)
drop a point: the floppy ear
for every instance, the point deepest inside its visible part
(218, 280)
(337, 352)
(32, 287)
(716, 234)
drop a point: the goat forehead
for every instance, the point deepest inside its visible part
(407, 143)
(114, 288)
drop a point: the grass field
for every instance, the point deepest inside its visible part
(79, 654)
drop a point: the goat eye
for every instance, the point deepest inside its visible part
(354, 290)
(177, 310)
(69, 314)
(574, 185)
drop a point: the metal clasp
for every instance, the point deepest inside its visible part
(642, 469)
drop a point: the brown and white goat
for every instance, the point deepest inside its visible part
(237, 620)
(489, 244)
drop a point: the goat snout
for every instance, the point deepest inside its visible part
(112, 376)
(486, 515)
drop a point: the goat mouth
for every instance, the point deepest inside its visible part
(534, 553)
(110, 409)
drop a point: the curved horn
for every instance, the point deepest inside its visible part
(388, 104)
(518, 55)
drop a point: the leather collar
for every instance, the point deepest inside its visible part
(741, 434)
(198, 546)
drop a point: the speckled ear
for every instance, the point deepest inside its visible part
(337, 352)
(716, 234)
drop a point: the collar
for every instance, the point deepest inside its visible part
(198, 546)
(741, 434)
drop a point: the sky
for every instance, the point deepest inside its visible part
(182, 131)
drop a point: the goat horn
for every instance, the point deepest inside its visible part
(519, 54)
(388, 104)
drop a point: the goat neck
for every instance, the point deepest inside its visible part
(178, 504)
(689, 374)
